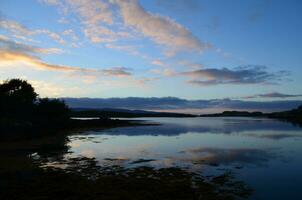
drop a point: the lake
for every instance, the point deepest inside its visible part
(264, 153)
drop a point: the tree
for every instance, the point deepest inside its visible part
(22, 112)
(52, 112)
(17, 98)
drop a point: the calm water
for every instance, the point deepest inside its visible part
(264, 153)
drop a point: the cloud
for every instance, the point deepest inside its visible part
(273, 95)
(166, 72)
(131, 49)
(14, 52)
(63, 20)
(101, 24)
(71, 34)
(9, 45)
(15, 27)
(162, 30)
(98, 34)
(51, 2)
(55, 88)
(190, 64)
(20, 58)
(146, 80)
(21, 31)
(46, 88)
(36, 63)
(92, 11)
(251, 74)
(96, 16)
(117, 71)
(158, 62)
(56, 37)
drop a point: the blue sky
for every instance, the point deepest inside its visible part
(207, 49)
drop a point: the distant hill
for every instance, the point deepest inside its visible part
(122, 113)
(294, 115)
(234, 114)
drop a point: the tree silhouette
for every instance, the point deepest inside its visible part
(53, 112)
(22, 112)
(17, 98)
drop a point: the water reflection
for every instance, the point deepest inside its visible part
(253, 149)
(218, 156)
(185, 141)
(227, 125)
(275, 136)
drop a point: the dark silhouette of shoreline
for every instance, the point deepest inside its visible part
(123, 113)
(293, 116)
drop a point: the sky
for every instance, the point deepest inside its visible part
(190, 49)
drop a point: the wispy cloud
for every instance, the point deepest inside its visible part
(251, 74)
(160, 29)
(96, 18)
(158, 62)
(10, 45)
(51, 2)
(131, 49)
(11, 51)
(71, 34)
(273, 95)
(92, 11)
(146, 80)
(101, 23)
(165, 72)
(117, 71)
(10, 56)
(15, 27)
(20, 31)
